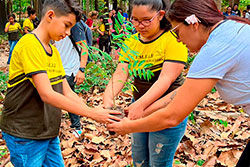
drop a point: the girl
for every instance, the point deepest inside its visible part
(38, 90)
(28, 25)
(12, 28)
(157, 46)
(104, 33)
(223, 61)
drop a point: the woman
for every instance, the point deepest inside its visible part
(229, 12)
(28, 25)
(156, 46)
(235, 10)
(223, 61)
(12, 28)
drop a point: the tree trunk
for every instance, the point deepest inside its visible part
(120, 4)
(218, 3)
(87, 8)
(3, 16)
(9, 7)
(107, 4)
(115, 4)
(96, 5)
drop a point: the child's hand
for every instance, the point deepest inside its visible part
(104, 115)
(120, 127)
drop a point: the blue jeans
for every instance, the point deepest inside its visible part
(12, 45)
(74, 119)
(157, 149)
(34, 153)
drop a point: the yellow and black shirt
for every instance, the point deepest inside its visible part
(28, 24)
(162, 49)
(13, 33)
(24, 113)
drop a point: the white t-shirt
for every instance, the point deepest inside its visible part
(226, 56)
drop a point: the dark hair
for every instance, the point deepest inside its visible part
(205, 10)
(11, 15)
(156, 5)
(248, 6)
(30, 10)
(63, 8)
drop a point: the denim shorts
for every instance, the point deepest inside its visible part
(34, 153)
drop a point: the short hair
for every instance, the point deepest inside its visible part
(31, 10)
(63, 8)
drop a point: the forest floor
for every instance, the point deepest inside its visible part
(216, 135)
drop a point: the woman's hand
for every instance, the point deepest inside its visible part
(135, 111)
(104, 115)
(119, 127)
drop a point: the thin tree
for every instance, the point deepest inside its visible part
(3, 15)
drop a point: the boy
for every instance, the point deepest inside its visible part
(74, 60)
(38, 90)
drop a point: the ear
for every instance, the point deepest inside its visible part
(162, 14)
(196, 26)
(50, 15)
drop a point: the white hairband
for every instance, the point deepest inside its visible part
(192, 19)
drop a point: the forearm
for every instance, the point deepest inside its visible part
(161, 103)
(155, 92)
(6, 29)
(69, 103)
(116, 83)
(84, 54)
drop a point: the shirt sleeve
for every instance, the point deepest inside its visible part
(213, 61)
(7, 24)
(18, 26)
(33, 61)
(176, 51)
(78, 33)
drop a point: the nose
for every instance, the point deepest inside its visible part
(67, 32)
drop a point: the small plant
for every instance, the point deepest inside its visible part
(200, 162)
(220, 122)
(3, 84)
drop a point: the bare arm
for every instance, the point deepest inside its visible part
(186, 99)
(170, 71)
(68, 100)
(7, 28)
(117, 82)
(80, 76)
(161, 103)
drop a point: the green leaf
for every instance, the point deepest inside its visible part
(135, 74)
(135, 63)
(148, 65)
(144, 74)
(141, 63)
(139, 73)
(200, 162)
(177, 162)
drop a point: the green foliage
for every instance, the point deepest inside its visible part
(3, 38)
(177, 162)
(220, 122)
(190, 60)
(3, 82)
(242, 4)
(191, 118)
(214, 90)
(200, 162)
(3, 152)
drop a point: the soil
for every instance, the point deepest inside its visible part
(121, 116)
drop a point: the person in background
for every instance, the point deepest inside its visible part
(235, 10)
(111, 27)
(155, 45)
(104, 33)
(28, 25)
(248, 12)
(12, 28)
(223, 47)
(244, 13)
(74, 62)
(38, 91)
(229, 12)
(92, 20)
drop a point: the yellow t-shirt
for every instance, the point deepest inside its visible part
(102, 28)
(13, 28)
(24, 113)
(156, 52)
(29, 24)
(165, 48)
